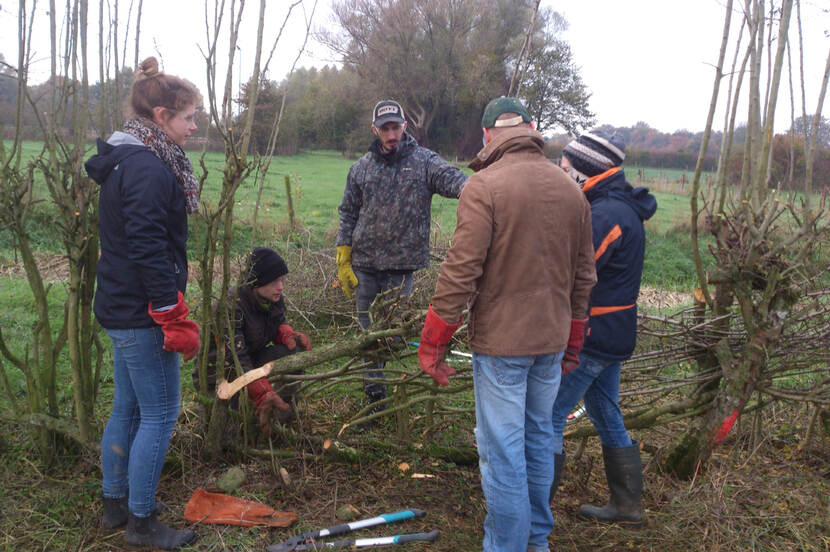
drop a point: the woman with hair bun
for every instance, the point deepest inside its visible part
(147, 191)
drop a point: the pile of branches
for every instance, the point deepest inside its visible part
(665, 381)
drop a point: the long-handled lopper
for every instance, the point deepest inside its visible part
(451, 351)
(308, 541)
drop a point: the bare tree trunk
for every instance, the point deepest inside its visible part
(707, 132)
(137, 32)
(811, 147)
(515, 80)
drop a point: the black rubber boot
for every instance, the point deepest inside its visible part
(625, 483)
(116, 512)
(558, 466)
(150, 531)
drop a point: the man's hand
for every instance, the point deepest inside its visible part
(570, 361)
(267, 403)
(288, 337)
(180, 335)
(434, 338)
(348, 281)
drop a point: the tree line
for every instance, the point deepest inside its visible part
(442, 60)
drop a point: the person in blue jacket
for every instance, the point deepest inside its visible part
(593, 358)
(147, 190)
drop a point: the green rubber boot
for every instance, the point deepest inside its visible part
(624, 473)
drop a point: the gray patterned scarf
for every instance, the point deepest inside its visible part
(152, 136)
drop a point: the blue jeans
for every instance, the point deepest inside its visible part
(144, 410)
(370, 283)
(514, 397)
(598, 382)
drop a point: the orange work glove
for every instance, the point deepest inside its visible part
(434, 338)
(288, 337)
(180, 335)
(267, 402)
(205, 507)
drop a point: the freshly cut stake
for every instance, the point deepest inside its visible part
(225, 390)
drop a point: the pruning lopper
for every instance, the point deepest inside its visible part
(308, 541)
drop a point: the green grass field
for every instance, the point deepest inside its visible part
(317, 179)
(59, 508)
(317, 182)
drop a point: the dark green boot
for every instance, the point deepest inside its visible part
(558, 466)
(149, 531)
(625, 483)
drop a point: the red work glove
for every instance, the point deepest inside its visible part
(267, 402)
(180, 335)
(571, 359)
(434, 338)
(288, 337)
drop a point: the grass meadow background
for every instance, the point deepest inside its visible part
(738, 500)
(317, 180)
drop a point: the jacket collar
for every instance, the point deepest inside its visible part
(246, 293)
(512, 140)
(407, 144)
(594, 181)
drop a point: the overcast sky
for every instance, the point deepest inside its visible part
(643, 60)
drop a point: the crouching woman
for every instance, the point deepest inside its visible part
(259, 334)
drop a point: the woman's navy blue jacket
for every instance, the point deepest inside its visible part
(143, 232)
(617, 215)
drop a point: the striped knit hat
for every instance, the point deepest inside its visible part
(595, 152)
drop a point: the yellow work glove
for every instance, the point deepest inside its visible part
(344, 269)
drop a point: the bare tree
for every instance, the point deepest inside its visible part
(60, 165)
(763, 276)
(218, 218)
(423, 53)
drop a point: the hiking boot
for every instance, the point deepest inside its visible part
(149, 531)
(623, 471)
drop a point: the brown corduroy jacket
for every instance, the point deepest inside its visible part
(521, 256)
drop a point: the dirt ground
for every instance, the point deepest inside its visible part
(770, 496)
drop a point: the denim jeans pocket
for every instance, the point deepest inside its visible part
(507, 373)
(122, 338)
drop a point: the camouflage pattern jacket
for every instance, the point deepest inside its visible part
(385, 212)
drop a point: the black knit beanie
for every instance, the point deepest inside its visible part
(266, 266)
(595, 152)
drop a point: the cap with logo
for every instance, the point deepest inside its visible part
(387, 111)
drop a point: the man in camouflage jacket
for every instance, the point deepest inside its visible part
(385, 216)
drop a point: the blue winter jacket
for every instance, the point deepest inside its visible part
(143, 232)
(617, 215)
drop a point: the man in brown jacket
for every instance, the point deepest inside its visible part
(522, 261)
